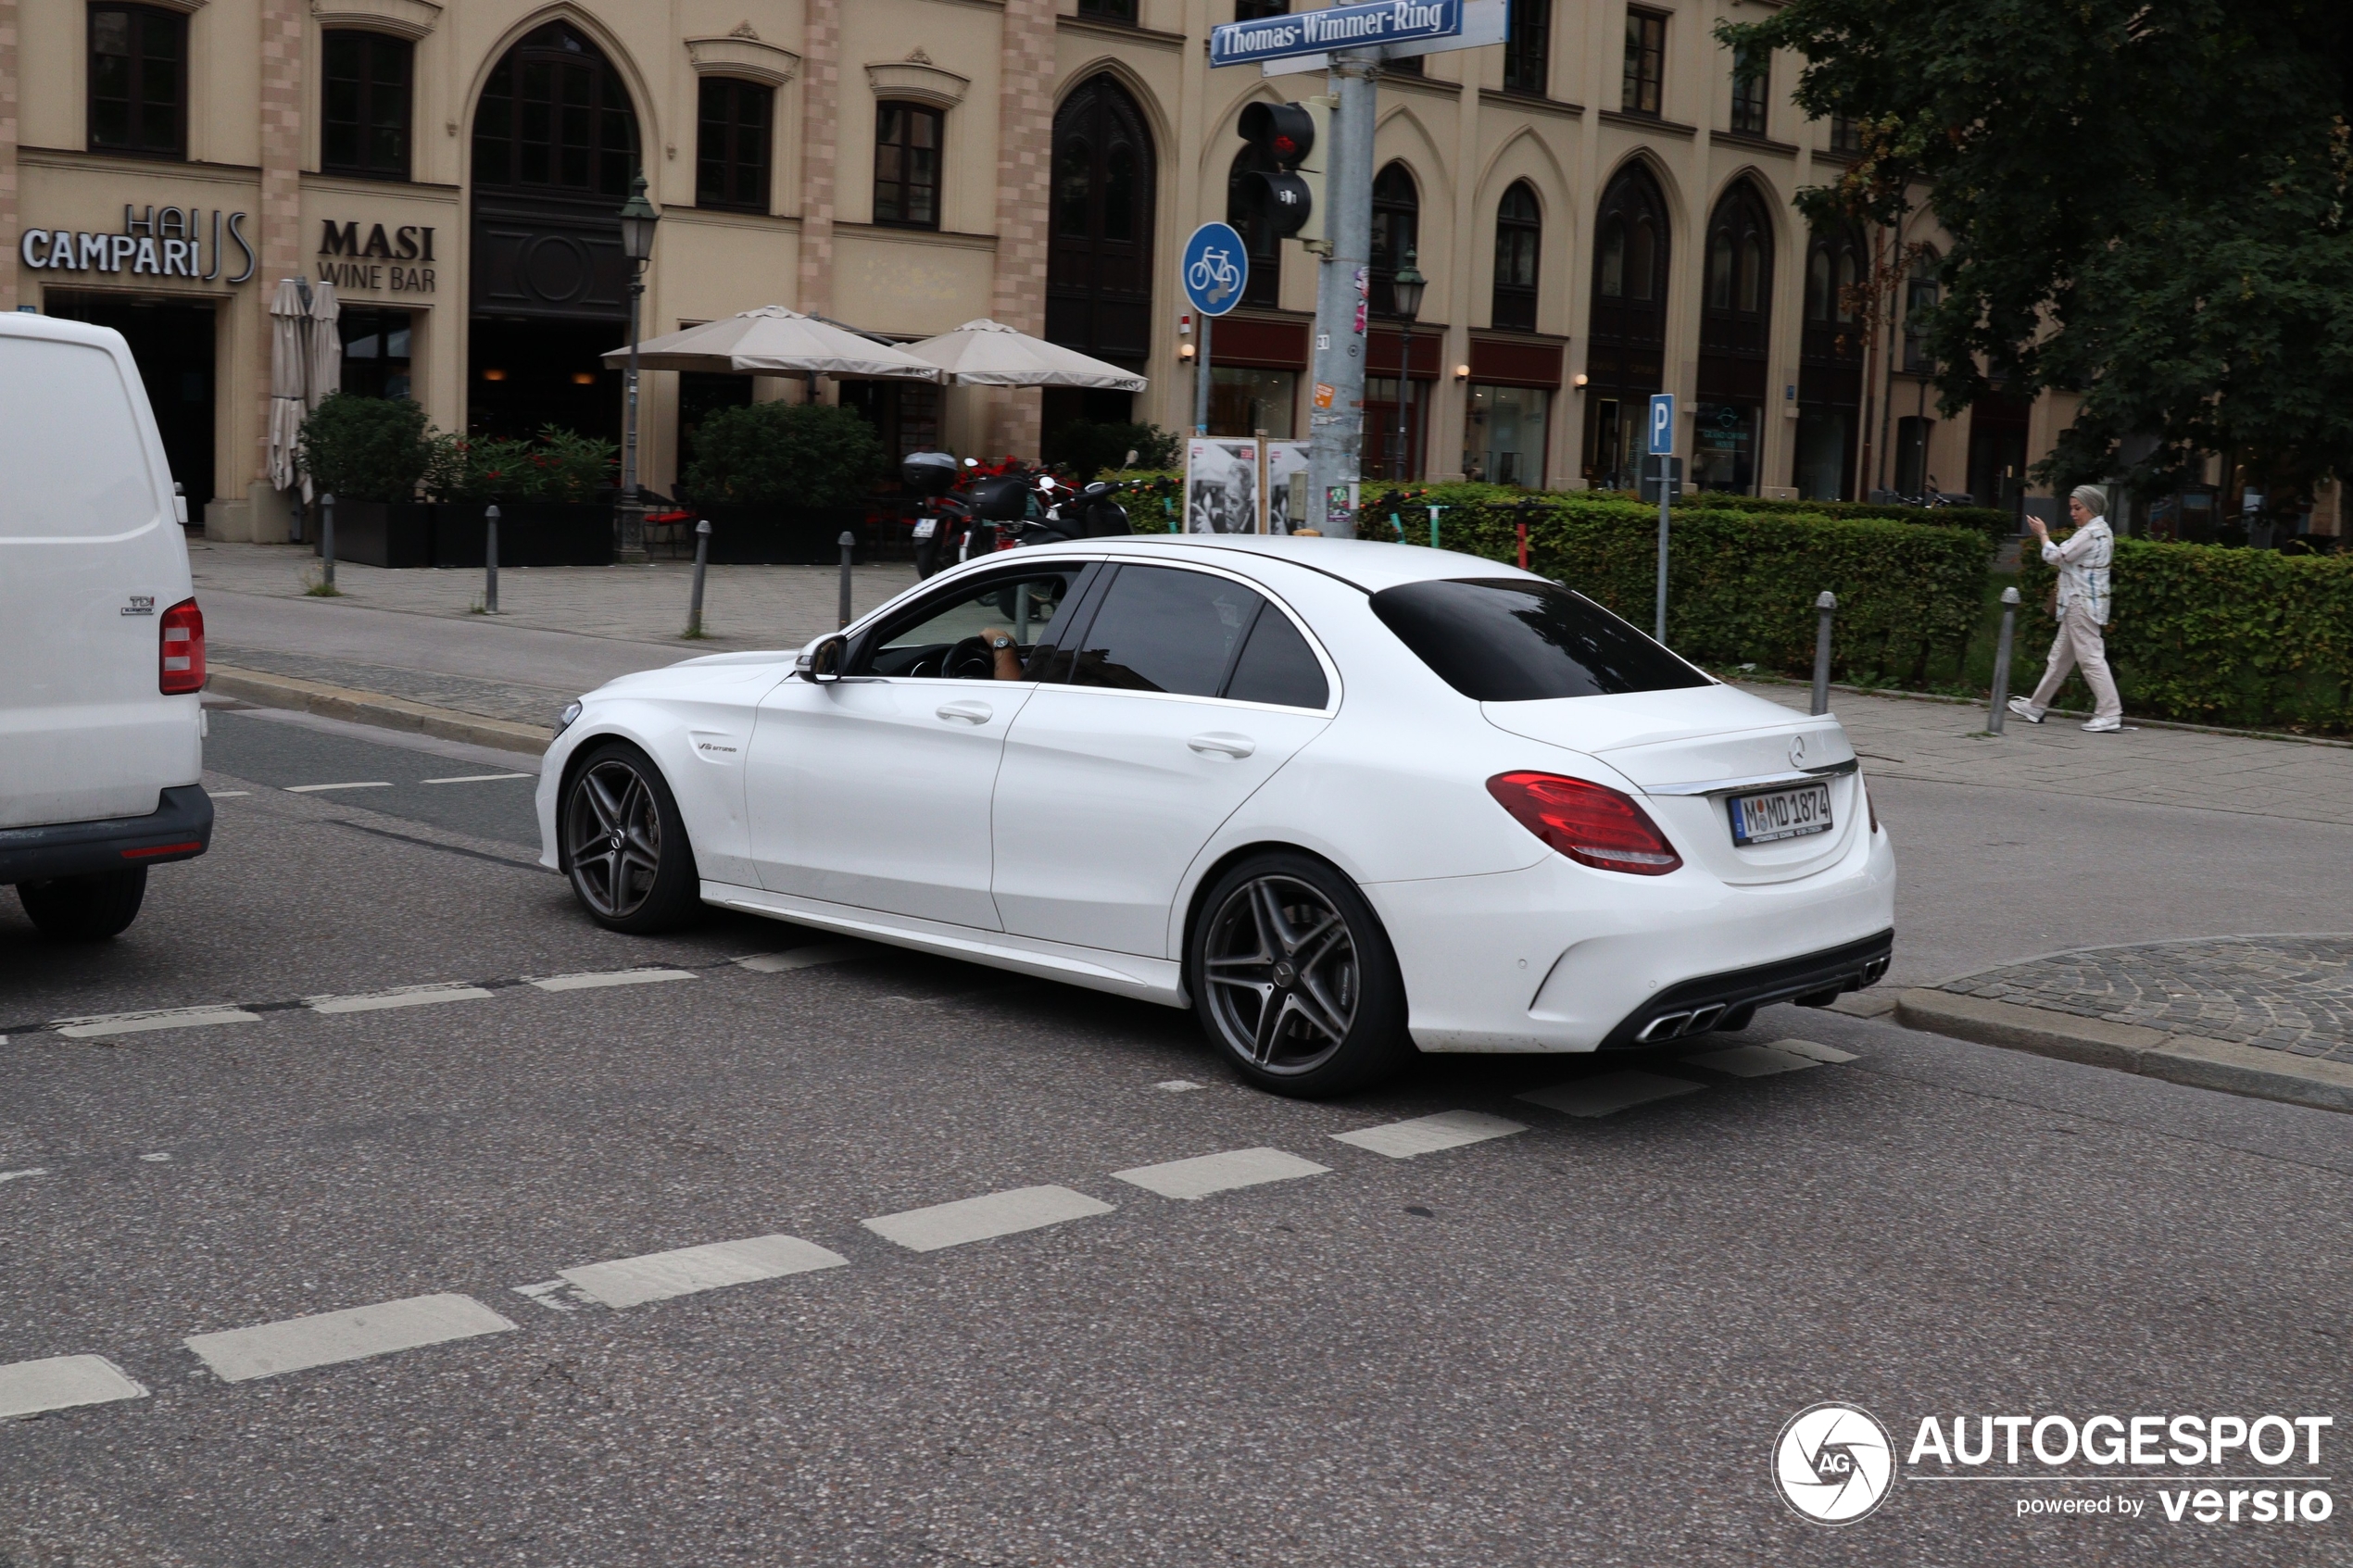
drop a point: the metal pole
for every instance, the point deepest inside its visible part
(327, 539)
(1827, 604)
(702, 559)
(632, 510)
(1405, 391)
(2001, 704)
(1666, 487)
(848, 542)
(1433, 525)
(490, 561)
(1335, 417)
(1200, 381)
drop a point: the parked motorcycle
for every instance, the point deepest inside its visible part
(966, 514)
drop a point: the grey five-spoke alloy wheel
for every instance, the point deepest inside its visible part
(625, 846)
(1294, 978)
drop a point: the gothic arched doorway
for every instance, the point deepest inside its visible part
(1625, 357)
(554, 148)
(1098, 269)
(1736, 303)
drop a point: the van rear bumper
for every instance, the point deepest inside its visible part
(179, 829)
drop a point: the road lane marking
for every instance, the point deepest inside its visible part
(1178, 1086)
(239, 1355)
(1206, 1174)
(979, 1219)
(610, 977)
(1817, 1051)
(556, 1295)
(314, 789)
(398, 996)
(805, 958)
(1608, 1093)
(227, 793)
(18, 1176)
(657, 1276)
(478, 778)
(60, 1383)
(1752, 1062)
(152, 1019)
(155, 1159)
(1428, 1135)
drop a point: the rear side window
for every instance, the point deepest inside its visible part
(1278, 666)
(75, 464)
(1165, 630)
(1510, 640)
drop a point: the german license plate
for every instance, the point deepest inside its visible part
(926, 527)
(1780, 813)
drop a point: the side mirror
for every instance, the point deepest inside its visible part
(825, 662)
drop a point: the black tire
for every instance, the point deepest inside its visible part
(624, 845)
(1295, 981)
(84, 908)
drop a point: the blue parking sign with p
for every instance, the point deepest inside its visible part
(1215, 269)
(1661, 424)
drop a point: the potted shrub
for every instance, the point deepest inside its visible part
(371, 453)
(554, 495)
(780, 481)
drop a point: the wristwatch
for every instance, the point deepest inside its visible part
(1000, 642)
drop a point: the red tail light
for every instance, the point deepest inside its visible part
(1589, 823)
(182, 629)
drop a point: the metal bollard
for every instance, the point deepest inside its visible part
(1826, 603)
(1433, 525)
(849, 547)
(2001, 704)
(327, 540)
(702, 559)
(490, 561)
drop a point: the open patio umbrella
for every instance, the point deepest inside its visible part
(774, 340)
(288, 365)
(987, 353)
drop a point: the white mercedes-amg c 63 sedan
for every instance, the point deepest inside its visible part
(1343, 799)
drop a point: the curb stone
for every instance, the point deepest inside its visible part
(373, 708)
(2178, 1059)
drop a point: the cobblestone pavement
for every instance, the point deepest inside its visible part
(523, 702)
(2291, 993)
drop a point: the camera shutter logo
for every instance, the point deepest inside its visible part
(1833, 1463)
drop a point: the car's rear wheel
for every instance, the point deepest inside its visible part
(1294, 979)
(84, 908)
(625, 846)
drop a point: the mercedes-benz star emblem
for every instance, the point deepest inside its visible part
(1285, 974)
(1797, 751)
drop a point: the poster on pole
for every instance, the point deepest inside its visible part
(1221, 485)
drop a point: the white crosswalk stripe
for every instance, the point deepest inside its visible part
(1428, 1135)
(981, 1219)
(61, 1383)
(1752, 1062)
(267, 1349)
(398, 996)
(1608, 1093)
(591, 982)
(1206, 1174)
(657, 1276)
(153, 1019)
(1813, 1048)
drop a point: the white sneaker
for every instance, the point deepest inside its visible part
(2026, 711)
(2103, 726)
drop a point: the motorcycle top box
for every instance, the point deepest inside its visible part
(928, 473)
(1000, 497)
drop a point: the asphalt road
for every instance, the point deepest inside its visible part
(1574, 1343)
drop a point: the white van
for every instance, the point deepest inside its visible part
(101, 643)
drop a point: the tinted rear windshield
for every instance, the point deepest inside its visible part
(1509, 640)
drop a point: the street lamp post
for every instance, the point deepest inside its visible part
(637, 220)
(1406, 290)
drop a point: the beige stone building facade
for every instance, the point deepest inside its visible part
(1603, 206)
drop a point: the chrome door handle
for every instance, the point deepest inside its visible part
(1225, 742)
(970, 712)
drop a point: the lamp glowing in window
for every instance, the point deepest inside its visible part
(584, 378)
(494, 375)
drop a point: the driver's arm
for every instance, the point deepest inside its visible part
(1005, 651)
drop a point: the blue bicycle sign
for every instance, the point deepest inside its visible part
(1216, 269)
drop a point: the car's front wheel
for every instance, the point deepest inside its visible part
(84, 908)
(1294, 978)
(626, 846)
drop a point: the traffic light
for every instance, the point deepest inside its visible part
(1288, 188)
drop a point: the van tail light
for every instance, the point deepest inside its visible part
(1589, 823)
(182, 631)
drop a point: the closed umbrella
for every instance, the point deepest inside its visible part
(989, 353)
(324, 372)
(774, 340)
(288, 314)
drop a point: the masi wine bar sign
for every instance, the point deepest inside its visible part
(162, 242)
(400, 260)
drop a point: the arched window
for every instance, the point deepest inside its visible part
(1397, 207)
(1519, 232)
(555, 117)
(1611, 274)
(1098, 284)
(1624, 361)
(1830, 370)
(1740, 280)
(1921, 291)
(1642, 280)
(1817, 283)
(1249, 220)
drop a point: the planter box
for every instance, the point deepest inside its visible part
(750, 536)
(381, 532)
(530, 532)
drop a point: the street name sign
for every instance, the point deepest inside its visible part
(1484, 22)
(1215, 269)
(1341, 27)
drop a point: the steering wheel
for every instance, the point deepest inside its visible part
(971, 660)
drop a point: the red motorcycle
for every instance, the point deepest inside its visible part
(965, 513)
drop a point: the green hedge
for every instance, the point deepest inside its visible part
(2207, 633)
(1741, 587)
(1992, 522)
